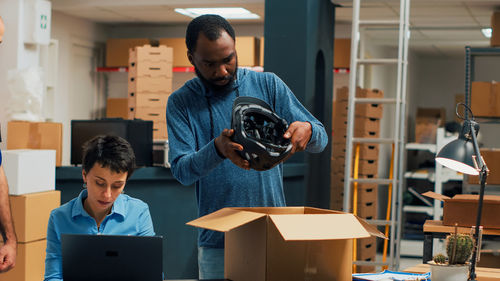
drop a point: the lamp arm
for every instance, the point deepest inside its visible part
(479, 160)
(483, 173)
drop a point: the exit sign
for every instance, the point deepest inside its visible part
(37, 18)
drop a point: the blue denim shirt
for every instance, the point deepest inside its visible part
(129, 216)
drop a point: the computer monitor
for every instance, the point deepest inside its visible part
(111, 257)
(138, 133)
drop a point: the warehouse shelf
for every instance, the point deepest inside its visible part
(430, 175)
(421, 146)
(186, 69)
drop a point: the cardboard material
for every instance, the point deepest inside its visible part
(372, 110)
(148, 113)
(462, 209)
(261, 59)
(489, 258)
(342, 52)
(148, 99)
(248, 50)
(367, 151)
(492, 158)
(160, 130)
(150, 54)
(495, 29)
(151, 69)
(30, 262)
(35, 135)
(117, 50)
(149, 84)
(485, 99)
(178, 45)
(31, 213)
(117, 108)
(427, 122)
(343, 93)
(29, 170)
(288, 243)
(150, 61)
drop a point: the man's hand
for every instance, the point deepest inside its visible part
(228, 149)
(7, 256)
(299, 134)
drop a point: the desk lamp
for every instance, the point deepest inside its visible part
(462, 155)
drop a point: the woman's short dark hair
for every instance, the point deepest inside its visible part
(111, 152)
(210, 25)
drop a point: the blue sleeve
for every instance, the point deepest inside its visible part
(145, 223)
(53, 260)
(288, 107)
(187, 164)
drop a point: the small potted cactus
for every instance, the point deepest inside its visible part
(456, 266)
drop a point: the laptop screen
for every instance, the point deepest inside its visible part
(111, 257)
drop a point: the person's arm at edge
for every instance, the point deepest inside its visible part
(53, 260)
(187, 164)
(8, 250)
(290, 108)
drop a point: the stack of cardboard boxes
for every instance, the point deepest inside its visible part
(31, 177)
(149, 85)
(366, 125)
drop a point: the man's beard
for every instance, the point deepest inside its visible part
(218, 89)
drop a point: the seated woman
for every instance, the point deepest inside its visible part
(101, 207)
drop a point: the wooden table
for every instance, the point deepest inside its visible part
(483, 273)
(436, 229)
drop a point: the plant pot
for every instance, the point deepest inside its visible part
(446, 272)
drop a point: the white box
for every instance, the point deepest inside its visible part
(29, 170)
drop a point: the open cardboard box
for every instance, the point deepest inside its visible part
(462, 209)
(287, 243)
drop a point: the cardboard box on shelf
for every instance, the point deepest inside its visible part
(117, 50)
(489, 258)
(342, 52)
(30, 262)
(274, 244)
(343, 93)
(261, 58)
(485, 99)
(365, 166)
(35, 135)
(427, 122)
(149, 84)
(151, 69)
(495, 29)
(462, 209)
(117, 108)
(372, 110)
(366, 151)
(160, 130)
(29, 170)
(150, 54)
(148, 113)
(31, 213)
(148, 100)
(492, 158)
(248, 50)
(180, 58)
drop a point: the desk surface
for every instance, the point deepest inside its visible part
(483, 273)
(437, 226)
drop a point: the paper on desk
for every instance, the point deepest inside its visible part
(392, 275)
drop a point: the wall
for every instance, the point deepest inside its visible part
(159, 31)
(73, 34)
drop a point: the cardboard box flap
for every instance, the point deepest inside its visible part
(319, 227)
(372, 229)
(225, 219)
(435, 195)
(495, 199)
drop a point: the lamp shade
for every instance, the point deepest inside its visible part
(457, 155)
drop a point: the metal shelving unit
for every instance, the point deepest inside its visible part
(438, 176)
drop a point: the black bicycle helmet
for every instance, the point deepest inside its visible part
(260, 131)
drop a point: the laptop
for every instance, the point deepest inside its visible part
(88, 257)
